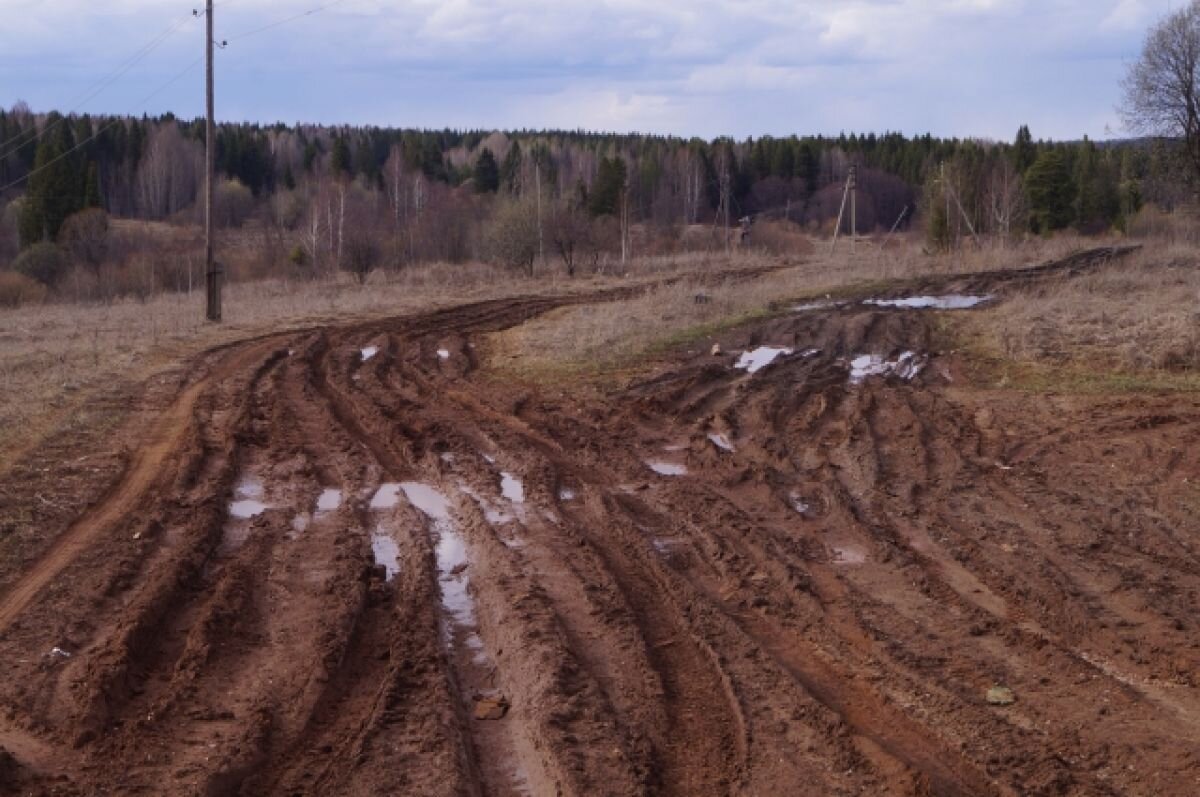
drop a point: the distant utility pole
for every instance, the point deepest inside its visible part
(849, 193)
(725, 197)
(212, 270)
(853, 207)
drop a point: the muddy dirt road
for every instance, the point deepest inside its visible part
(345, 561)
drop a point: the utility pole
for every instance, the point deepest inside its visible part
(725, 192)
(213, 271)
(853, 207)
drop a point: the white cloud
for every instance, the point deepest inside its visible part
(739, 66)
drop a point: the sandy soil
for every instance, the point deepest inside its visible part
(344, 561)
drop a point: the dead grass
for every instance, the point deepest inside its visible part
(603, 338)
(56, 359)
(1136, 322)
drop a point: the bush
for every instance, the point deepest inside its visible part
(85, 235)
(511, 236)
(233, 204)
(44, 262)
(17, 289)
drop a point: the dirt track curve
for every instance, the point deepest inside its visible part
(342, 561)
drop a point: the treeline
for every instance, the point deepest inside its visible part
(322, 198)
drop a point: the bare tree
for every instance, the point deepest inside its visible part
(570, 232)
(511, 237)
(1005, 198)
(168, 177)
(1162, 88)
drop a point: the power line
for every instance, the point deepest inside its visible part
(278, 23)
(97, 88)
(166, 85)
(113, 123)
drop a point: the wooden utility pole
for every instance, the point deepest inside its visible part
(837, 230)
(725, 202)
(212, 270)
(853, 207)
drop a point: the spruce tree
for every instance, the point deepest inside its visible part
(339, 159)
(605, 196)
(91, 192)
(1024, 151)
(510, 170)
(487, 173)
(55, 189)
(1051, 192)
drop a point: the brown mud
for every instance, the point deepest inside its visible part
(504, 598)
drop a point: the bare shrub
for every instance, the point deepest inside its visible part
(511, 235)
(233, 204)
(85, 235)
(361, 256)
(44, 262)
(18, 289)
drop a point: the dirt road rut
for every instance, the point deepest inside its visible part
(343, 561)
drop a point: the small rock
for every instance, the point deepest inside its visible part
(491, 708)
(1001, 696)
(716, 350)
(59, 653)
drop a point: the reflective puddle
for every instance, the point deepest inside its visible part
(386, 497)
(758, 359)
(667, 468)
(386, 552)
(512, 488)
(907, 366)
(329, 500)
(720, 441)
(247, 501)
(953, 301)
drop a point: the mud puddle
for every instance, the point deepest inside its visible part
(755, 360)
(330, 500)
(248, 503)
(483, 699)
(953, 301)
(907, 366)
(664, 468)
(386, 497)
(387, 553)
(720, 441)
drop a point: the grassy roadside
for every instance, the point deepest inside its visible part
(987, 365)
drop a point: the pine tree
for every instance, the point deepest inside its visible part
(487, 173)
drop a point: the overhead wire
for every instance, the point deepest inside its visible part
(118, 120)
(96, 88)
(114, 122)
(285, 21)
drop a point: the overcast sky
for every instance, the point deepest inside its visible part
(687, 67)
